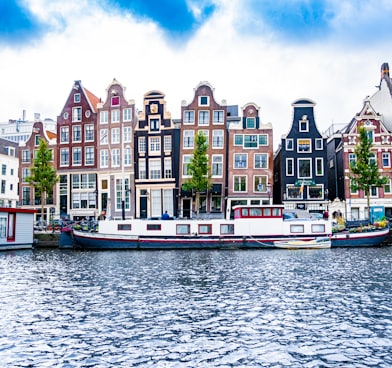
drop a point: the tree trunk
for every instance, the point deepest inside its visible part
(42, 207)
(368, 203)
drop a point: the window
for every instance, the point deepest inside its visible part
(127, 134)
(250, 141)
(115, 139)
(315, 192)
(372, 159)
(250, 123)
(319, 166)
(64, 134)
(116, 116)
(115, 157)
(319, 143)
(76, 133)
(387, 187)
(294, 192)
(186, 159)
(216, 204)
(373, 191)
(217, 139)
(26, 196)
(238, 140)
(25, 173)
(77, 97)
(352, 191)
(189, 117)
(127, 114)
(155, 145)
(239, 183)
(154, 125)
(89, 155)
(204, 100)
(240, 160)
(260, 183)
(217, 165)
(167, 143)
(155, 169)
(115, 100)
(304, 125)
(352, 159)
(218, 117)
(25, 156)
(206, 134)
(263, 139)
(304, 168)
(142, 144)
(37, 138)
(3, 169)
(261, 161)
(12, 172)
(3, 184)
(76, 156)
(183, 229)
(386, 162)
(142, 169)
(188, 138)
(64, 157)
(303, 145)
(76, 114)
(204, 117)
(103, 133)
(104, 158)
(104, 117)
(122, 194)
(168, 167)
(127, 156)
(89, 133)
(289, 145)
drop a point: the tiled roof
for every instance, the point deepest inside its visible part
(94, 100)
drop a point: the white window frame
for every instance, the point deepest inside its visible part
(287, 166)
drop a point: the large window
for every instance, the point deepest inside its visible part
(168, 167)
(76, 156)
(76, 133)
(167, 143)
(64, 157)
(127, 114)
(240, 160)
(294, 192)
(261, 161)
(120, 194)
(239, 183)
(155, 168)
(304, 168)
(155, 145)
(89, 133)
(315, 192)
(103, 136)
(76, 114)
(142, 144)
(186, 159)
(154, 125)
(104, 158)
(89, 152)
(115, 135)
(127, 134)
(115, 157)
(260, 183)
(250, 141)
(204, 117)
(103, 117)
(127, 156)
(217, 165)
(116, 116)
(64, 134)
(142, 169)
(189, 117)
(386, 161)
(188, 138)
(217, 139)
(304, 145)
(25, 156)
(218, 117)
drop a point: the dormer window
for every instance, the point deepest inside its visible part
(204, 101)
(304, 125)
(115, 100)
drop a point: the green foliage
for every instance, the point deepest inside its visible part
(198, 168)
(364, 172)
(43, 175)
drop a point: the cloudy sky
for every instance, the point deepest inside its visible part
(270, 52)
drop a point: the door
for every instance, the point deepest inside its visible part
(186, 208)
(143, 207)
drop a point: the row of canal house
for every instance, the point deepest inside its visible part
(112, 158)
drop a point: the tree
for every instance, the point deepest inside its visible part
(198, 169)
(364, 170)
(43, 175)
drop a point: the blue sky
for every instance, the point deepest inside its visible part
(270, 52)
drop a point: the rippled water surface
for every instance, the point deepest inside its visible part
(262, 308)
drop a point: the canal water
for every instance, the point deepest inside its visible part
(256, 308)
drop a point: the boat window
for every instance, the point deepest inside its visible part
(318, 228)
(183, 229)
(205, 229)
(296, 229)
(245, 212)
(255, 212)
(154, 227)
(124, 227)
(267, 211)
(276, 212)
(227, 229)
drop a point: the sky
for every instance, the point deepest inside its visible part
(269, 52)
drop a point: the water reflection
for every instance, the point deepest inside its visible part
(268, 308)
